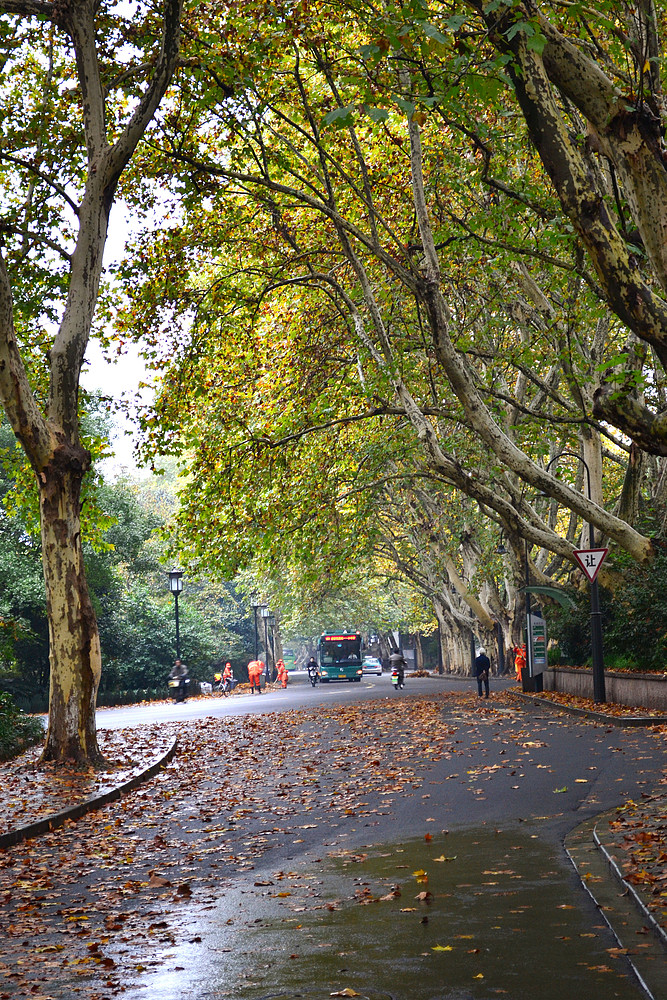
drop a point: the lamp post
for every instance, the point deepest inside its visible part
(265, 612)
(255, 609)
(599, 694)
(176, 586)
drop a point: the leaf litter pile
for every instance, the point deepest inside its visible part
(90, 904)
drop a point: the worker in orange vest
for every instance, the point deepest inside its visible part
(255, 668)
(282, 672)
(519, 661)
(227, 678)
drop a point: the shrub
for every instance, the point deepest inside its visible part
(17, 730)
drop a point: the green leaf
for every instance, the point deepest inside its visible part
(524, 26)
(456, 22)
(618, 359)
(340, 116)
(536, 43)
(432, 32)
(406, 106)
(376, 114)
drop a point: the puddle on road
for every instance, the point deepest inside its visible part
(502, 918)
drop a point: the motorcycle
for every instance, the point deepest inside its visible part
(397, 679)
(178, 687)
(313, 675)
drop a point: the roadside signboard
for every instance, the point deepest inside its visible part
(538, 635)
(590, 561)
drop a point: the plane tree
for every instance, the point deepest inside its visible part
(81, 83)
(375, 219)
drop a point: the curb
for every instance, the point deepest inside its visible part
(646, 913)
(49, 823)
(624, 912)
(584, 713)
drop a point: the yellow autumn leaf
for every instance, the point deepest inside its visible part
(442, 947)
(419, 873)
(347, 992)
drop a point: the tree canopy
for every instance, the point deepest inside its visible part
(409, 302)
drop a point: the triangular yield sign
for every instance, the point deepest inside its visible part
(590, 561)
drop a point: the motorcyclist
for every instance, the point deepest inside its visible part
(227, 679)
(397, 664)
(179, 672)
(311, 666)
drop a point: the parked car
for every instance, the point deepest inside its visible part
(371, 665)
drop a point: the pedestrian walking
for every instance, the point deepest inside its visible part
(482, 671)
(519, 662)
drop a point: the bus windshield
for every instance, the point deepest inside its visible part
(340, 649)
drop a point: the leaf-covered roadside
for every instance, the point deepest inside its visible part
(638, 837)
(100, 901)
(609, 708)
(33, 791)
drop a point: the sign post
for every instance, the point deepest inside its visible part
(590, 561)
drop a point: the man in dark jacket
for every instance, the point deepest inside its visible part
(397, 663)
(482, 670)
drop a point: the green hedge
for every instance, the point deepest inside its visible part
(17, 730)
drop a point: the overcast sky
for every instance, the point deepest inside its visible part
(118, 378)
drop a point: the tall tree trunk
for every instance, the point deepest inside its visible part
(73, 636)
(419, 652)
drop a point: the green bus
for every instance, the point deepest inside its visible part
(339, 656)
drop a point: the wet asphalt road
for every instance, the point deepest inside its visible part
(497, 796)
(299, 694)
(344, 809)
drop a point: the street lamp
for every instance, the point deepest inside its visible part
(255, 609)
(599, 694)
(265, 612)
(176, 586)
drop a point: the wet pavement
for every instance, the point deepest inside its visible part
(279, 835)
(472, 914)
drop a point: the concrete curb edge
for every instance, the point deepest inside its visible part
(646, 913)
(587, 857)
(610, 720)
(55, 820)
